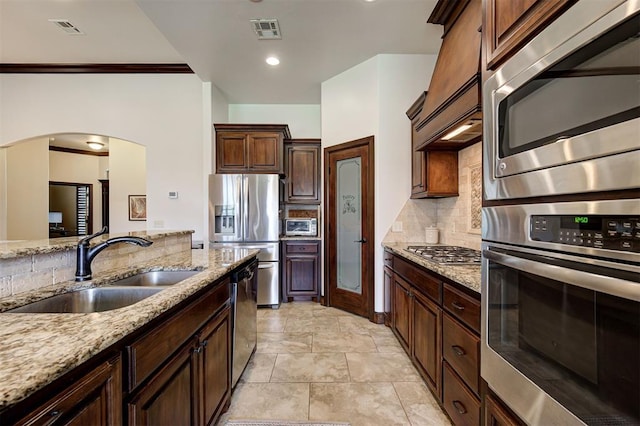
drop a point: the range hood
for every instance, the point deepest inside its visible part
(451, 116)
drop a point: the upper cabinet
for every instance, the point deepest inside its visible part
(250, 148)
(509, 24)
(454, 97)
(302, 169)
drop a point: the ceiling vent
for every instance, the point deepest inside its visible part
(266, 29)
(66, 26)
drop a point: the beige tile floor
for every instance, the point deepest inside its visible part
(315, 363)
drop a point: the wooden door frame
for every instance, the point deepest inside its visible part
(369, 278)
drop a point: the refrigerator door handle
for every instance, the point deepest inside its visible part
(240, 208)
(245, 207)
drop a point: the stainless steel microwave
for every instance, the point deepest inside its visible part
(562, 116)
(301, 227)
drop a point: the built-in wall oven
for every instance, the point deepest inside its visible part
(562, 116)
(561, 311)
(561, 221)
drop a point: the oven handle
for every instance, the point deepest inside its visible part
(601, 283)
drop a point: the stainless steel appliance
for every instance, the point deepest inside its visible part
(562, 115)
(561, 310)
(450, 255)
(243, 212)
(244, 321)
(301, 227)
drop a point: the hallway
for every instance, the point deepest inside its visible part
(315, 363)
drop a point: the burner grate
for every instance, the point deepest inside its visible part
(450, 255)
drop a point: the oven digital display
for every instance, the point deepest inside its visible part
(591, 223)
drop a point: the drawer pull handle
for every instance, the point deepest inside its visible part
(457, 306)
(458, 350)
(55, 413)
(459, 407)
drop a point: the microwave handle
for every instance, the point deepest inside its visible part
(601, 283)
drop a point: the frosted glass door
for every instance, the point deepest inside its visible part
(349, 225)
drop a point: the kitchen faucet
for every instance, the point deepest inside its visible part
(86, 254)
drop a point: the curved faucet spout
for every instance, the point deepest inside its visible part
(86, 254)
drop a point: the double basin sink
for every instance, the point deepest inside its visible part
(118, 294)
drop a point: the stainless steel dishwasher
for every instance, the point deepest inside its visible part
(244, 288)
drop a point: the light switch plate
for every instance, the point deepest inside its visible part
(173, 194)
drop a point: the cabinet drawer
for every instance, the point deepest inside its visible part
(461, 405)
(463, 307)
(301, 247)
(388, 259)
(427, 284)
(461, 349)
(152, 349)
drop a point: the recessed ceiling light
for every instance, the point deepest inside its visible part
(95, 145)
(272, 60)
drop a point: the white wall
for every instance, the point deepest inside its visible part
(163, 112)
(371, 99)
(27, 171)
(303, 120)
(3, 194)
(127, 176)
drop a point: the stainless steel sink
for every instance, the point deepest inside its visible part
(155, 278)
(89, 300)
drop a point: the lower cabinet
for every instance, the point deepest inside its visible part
(301, 272)
(94, 399)
(438, 326)
(495, 414)
(193, 386)
(416, 324)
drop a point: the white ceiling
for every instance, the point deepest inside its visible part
(320, 38)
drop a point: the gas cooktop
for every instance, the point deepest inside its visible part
(450, 255)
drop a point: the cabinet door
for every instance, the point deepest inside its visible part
(215, 354)
(303, 174)
(265, 152)
(426, 321)
(95, 399)
(170, 396)
(509, 24)
(496, 415)
(402, 311)
(301, 268)
(388, 295)
(231, 152)
(418, 179)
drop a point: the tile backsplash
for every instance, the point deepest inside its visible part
(457, 218)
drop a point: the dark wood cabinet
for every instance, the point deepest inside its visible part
(509, 25)
(215, 356)
(438, 326)
(495, 414)
(247, 148)
(416, 324)
(105, 202)
(426, 324)
(94, 399)
(302, 169)
(301, 272)
(170, 397)
(433, 173)
(192, 385)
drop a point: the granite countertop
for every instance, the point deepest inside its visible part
(36, 349)
(465, 275)
(17, 248)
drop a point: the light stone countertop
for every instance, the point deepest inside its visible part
(465, 275)
(36, 349)
(17, 248)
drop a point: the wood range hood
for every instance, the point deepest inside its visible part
(454, 98)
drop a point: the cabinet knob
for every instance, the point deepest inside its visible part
(458, 350)
(55, 413)
(459, 406)
(204, 343)
(197, 350)
(457, 306)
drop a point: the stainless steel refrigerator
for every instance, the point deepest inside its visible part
(243, 212)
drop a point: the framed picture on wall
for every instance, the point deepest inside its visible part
(137, 207)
